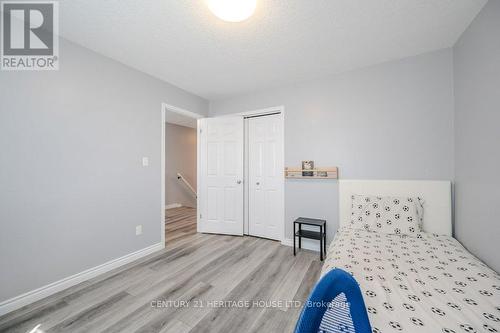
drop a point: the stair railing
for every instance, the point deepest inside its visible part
(181, 178)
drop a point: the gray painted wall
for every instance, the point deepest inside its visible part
(391, 121)
(72, 184)
(180, 146)
(477, 136)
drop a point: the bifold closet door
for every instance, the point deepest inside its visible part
(265, 173)
(220, 184)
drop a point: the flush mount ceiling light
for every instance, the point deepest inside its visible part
(232, 10)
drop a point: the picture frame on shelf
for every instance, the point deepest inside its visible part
(307, 165)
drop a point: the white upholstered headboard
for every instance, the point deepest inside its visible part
(436, 195)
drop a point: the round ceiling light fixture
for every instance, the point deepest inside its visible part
(232, 10)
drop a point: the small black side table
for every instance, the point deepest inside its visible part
(321, 235)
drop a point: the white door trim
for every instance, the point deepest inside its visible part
(180, 111)
(263, 112)
(198, 171)
(163, 156)
(272, 109)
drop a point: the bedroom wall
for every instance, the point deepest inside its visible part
(390, 121)
(477, 136)
(72, 183)
(180, 146)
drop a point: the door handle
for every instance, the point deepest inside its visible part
(238, 182)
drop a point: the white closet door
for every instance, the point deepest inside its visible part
(265, 173)
(220, 185)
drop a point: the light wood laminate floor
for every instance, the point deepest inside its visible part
(180, 223)
(199, 269)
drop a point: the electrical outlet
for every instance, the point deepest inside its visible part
(138, 230)
(145, 161)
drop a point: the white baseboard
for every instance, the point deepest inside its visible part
(174, 205)
(307, 244)
(52, 288)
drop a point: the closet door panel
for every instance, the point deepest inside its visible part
(265, 160)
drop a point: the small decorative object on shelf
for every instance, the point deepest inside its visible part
(307, 165)
(322, 173)
(311, 173)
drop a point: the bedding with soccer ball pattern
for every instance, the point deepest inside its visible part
(422, 283)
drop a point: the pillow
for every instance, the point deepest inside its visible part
(390, 215)
(363, 211)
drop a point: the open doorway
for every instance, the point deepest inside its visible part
(179, 142)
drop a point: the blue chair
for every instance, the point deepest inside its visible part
(316, 316)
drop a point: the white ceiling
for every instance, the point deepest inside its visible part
(286, 41)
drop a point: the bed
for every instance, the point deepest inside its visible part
(426, 282)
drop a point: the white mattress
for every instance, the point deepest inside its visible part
(425, 284)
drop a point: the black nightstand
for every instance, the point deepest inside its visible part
(318, 235)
